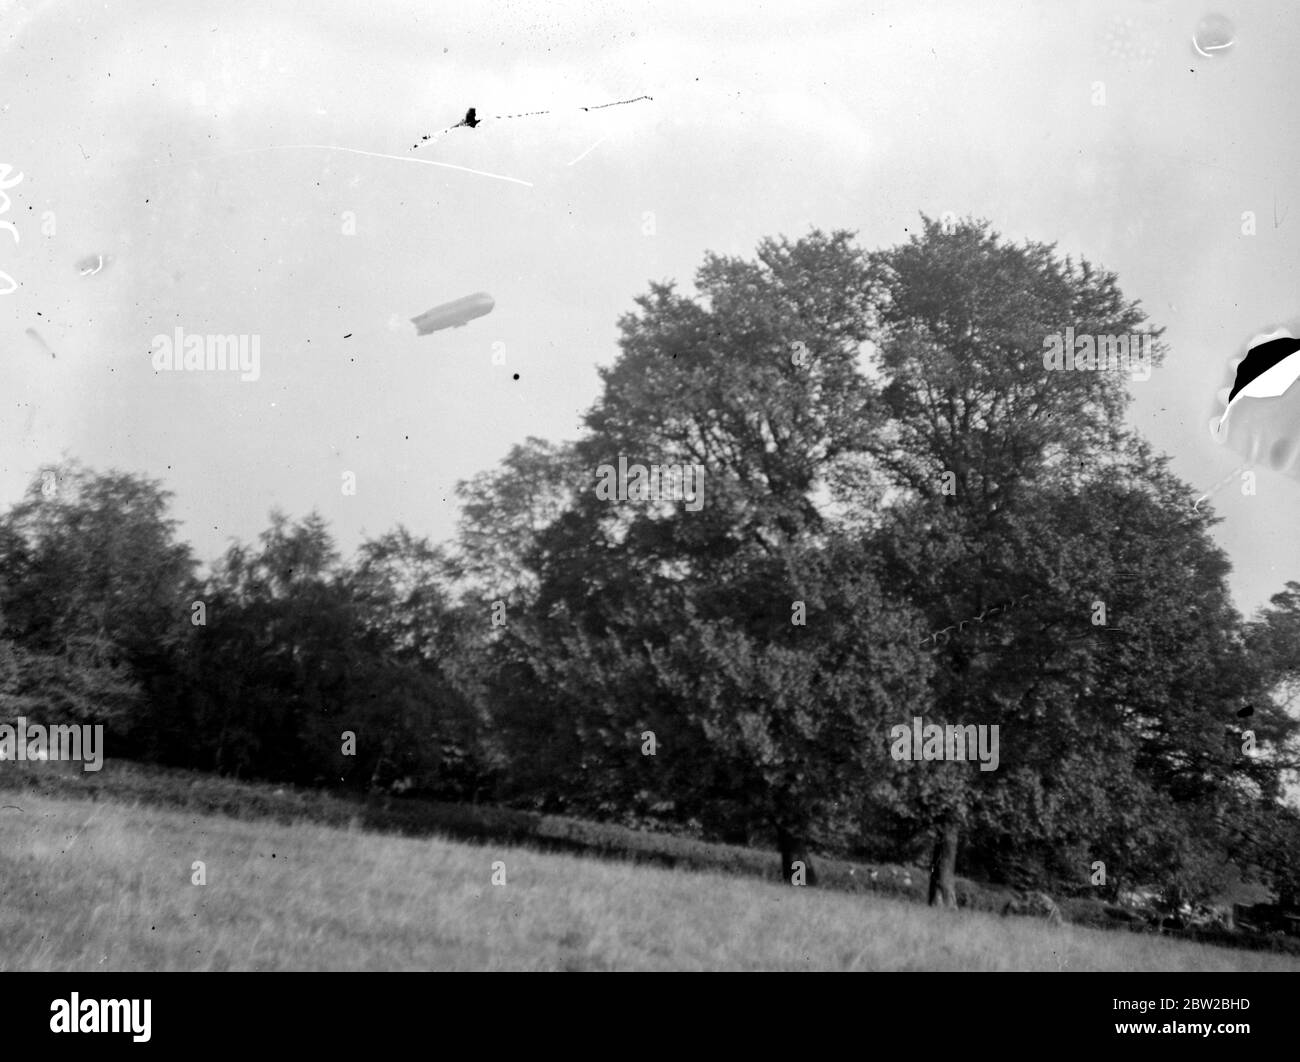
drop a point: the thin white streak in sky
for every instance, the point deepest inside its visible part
(591, 149)
(1214, 490)
(1209, 50)
(354, 151)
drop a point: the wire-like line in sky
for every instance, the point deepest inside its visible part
(472, 120)
(618, 103)
(594, 107)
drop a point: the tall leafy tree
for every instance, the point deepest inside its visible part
(95, 589)
(277, 650)
(503, 514)
(1112, 678)
(418, 707)
(724, 627)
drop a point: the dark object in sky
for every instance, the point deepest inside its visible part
(1268, 370)
(1260, 359)
(470, 119)
(455, 314)
(1247, 712)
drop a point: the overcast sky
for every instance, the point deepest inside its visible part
(136, 125)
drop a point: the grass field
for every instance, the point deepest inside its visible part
(107, 886)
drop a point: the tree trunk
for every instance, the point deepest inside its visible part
(943, 866)
(793, 850)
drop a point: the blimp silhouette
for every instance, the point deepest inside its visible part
(455, 314)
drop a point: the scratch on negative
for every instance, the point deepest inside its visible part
(1196, 507)
(1005, 606)
(354, 151)
(590, 149)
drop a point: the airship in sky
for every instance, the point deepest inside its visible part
(455, 314)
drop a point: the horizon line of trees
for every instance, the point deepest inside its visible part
(886, 457)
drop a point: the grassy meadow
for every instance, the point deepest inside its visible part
(106, 885)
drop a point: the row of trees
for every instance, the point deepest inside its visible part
(257, 669)
(885, 457)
